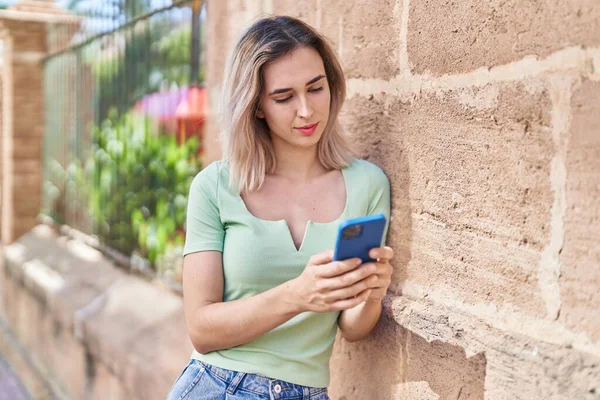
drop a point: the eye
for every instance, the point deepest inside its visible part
(316, 89)
(283, 100)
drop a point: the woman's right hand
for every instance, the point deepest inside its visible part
(327, 285)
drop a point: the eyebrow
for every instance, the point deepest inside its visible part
(313, 80)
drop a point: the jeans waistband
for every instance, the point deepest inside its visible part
(261, 385)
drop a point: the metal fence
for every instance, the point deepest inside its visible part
(124, 114)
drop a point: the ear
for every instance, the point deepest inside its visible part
(260, 114)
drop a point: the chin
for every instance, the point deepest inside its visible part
(300, 141)
(308, 141)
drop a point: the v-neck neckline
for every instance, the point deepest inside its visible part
(309, 222)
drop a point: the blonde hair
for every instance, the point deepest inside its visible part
(246, 138)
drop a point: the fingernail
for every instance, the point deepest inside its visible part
(358, 261)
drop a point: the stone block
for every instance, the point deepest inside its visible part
(121, 301)
(26, 148)
(28, 78)
(22, 225)
(26, 183)
(456, 37)
(27, 166)
(26, 218)
(393, 363)
(27, 37)
(372, 368)
(447, 370)
(366, 36)
(580, 256)
(12, 297)
(106, 385)
(304, 9)
(516, 366)
(26, 189)
(471, 193)
(68, 360)
(16, 359)
(29, 323)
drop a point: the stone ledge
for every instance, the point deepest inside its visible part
(425, 350)
(42, 17)
(68, 304)
(538, 369)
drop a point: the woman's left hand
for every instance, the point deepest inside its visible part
(379, 286)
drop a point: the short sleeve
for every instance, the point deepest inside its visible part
(204, 229)
(379, 197)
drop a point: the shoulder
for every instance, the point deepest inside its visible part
(366, 170)
(209, 178)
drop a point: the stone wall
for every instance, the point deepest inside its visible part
(486, 118)
(1, 128)
(91, 330)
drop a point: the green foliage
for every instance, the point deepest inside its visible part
(155, 54)
(136, 183)
(175, 49)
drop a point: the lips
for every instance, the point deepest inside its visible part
(308, 129)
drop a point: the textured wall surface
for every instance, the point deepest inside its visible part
(485, 115)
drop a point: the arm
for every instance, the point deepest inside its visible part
(356, 323)
(214, 325)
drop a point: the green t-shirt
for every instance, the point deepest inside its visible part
(260, 254)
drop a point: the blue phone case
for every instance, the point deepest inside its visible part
(350, 244)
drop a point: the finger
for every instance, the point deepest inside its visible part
(352, 302)
(384, 268)
(369, 282)
(337, 268)
(383, 254)
(351, 277)
(321, 258)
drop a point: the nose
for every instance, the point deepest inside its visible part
(305, 110)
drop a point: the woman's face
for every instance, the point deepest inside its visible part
(295, 98)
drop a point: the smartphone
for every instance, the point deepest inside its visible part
(356, 237)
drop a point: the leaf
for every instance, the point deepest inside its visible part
(162, 209)
(137, 218)
(143, 236)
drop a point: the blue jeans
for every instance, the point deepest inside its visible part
(200, 380)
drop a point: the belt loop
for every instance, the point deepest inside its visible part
(306, 395)
(235, 382)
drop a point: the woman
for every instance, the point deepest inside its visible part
(263, 299)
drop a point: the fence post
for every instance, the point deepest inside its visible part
(23, 29)
(195, 62)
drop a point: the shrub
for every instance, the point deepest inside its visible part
(135, 183)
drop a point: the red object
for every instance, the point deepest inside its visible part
(191, 115)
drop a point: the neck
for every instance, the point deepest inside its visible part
(296, 164)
